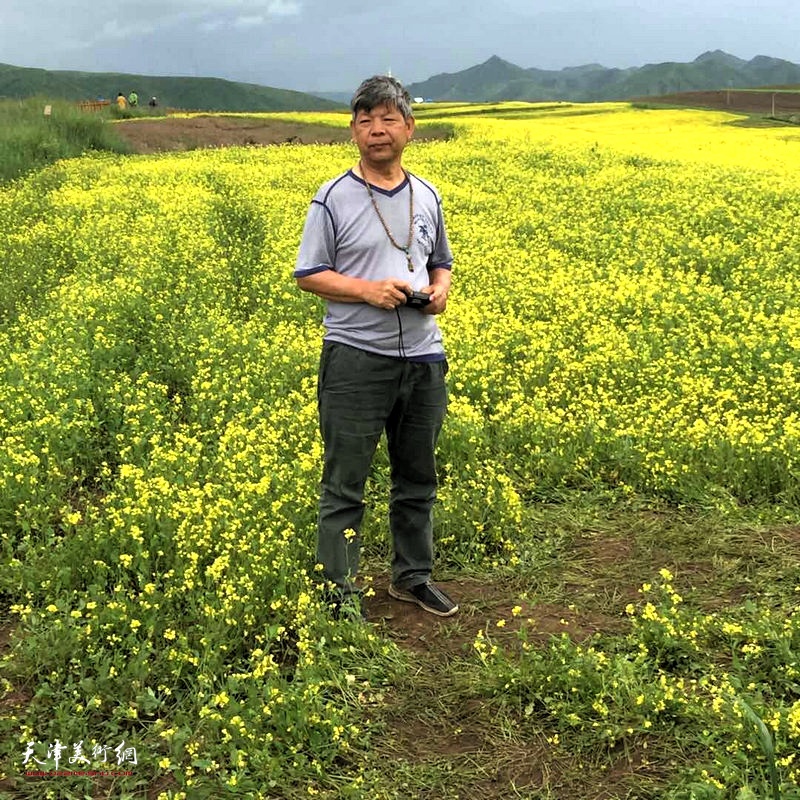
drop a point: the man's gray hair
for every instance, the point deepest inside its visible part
(381, 90)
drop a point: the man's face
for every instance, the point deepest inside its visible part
(381, 134)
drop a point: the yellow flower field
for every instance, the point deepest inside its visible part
(624, 324)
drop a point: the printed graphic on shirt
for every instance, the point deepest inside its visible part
(424, 232)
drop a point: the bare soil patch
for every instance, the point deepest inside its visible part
(481, 605)
(16, 697)
(431, 726)
(786, 103)
(174, 133)
(170, 133)
(5, 637)
(790, 534)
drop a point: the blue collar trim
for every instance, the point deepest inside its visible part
(388, 192)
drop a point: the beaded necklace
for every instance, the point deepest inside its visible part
(407, 248)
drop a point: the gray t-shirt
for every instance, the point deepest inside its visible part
(343, 233)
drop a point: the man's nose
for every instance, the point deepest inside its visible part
(377, 127)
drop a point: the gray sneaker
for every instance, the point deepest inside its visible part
(428, 596)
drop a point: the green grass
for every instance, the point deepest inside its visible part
(212, 94)
(30, 140)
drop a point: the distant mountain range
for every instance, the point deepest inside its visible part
(207, 94)
(336, 97)
(497, 79)
(493, 80)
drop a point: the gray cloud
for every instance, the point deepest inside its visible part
(316, 44)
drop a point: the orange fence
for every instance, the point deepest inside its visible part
(99, 105)
(93, 105)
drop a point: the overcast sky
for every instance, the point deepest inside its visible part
(330, 45)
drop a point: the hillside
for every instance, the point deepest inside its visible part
(497, 79)
(208, 94)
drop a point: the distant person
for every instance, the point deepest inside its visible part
(122, 103)
(153, 102)
(133, 99)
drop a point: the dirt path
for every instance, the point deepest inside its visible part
(448, 745)
(174, 133)
(480, 604)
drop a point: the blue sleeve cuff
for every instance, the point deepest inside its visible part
(443, 265)
(304, 273)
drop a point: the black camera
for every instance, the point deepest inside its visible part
(417, 299)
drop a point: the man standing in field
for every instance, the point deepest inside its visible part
(373, 237)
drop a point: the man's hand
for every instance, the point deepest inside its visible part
(387, 294)
(438, 301)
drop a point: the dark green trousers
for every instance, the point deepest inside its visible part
(360, 395)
